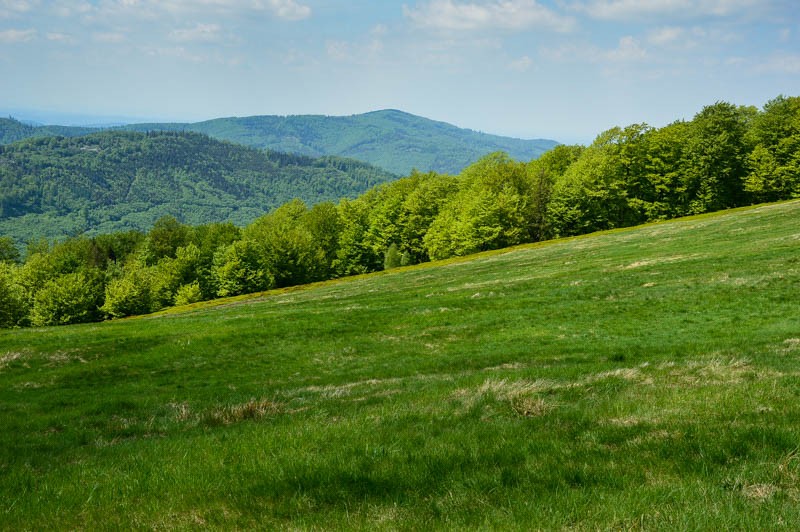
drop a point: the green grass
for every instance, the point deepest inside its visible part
(643, 378)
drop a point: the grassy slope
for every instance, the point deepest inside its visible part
(645, 377)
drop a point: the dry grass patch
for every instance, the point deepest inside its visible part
(759, 492)
(181, 411)
(790, 345)
(627, 421)
(715, 371)
(343, 390)
(254, 409)
(10, 357)
(506, 366)
(661, 260)
(522, 395)
(60, 358)
(530, 406)
(628, 374)
(54, 359)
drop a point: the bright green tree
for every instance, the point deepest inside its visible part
(421, 205)
(164, 239)
(241, 268)
(716, 153)
(211, 238)
(70, 298)
(492, 209)
(354, 255)
(774, 164)
(292, 253)
(664, 171)
(543, 173)
(13, 308)
(605, 187)
(130, 294)
(323, 223)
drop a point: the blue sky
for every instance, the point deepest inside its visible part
(561, 69)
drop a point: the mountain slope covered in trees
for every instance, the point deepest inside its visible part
(390, 139)
(111, 181)
(12, 130)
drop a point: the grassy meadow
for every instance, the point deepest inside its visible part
(641, 378)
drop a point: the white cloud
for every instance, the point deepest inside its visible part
(289, 9)
(736, 61)
(521, 64)
(633, 9)
(361, 53)
(781, 64)
(450, 15)
(296, 57)
(60, 37)
(178, 52)
(66, 9)
(9, 8)
(109, 37)
(199, 33)
(688, 38)
(16, 36)
(665, 36)
(151, 9)
(338, 50)
(628, 50)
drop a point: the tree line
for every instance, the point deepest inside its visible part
(726, 156)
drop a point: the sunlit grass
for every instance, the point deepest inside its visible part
(643, 378)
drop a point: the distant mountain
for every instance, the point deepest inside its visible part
(12, 130)
(116, 180)
(390, 139)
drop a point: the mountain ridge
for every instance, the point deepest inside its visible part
(392, 139)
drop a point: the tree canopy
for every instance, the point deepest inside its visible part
(726, 156)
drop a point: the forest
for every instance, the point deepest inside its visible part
(393, 140)
(112, 181)
(726, 156)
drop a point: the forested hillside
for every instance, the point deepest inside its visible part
(390, 139)
(110, 181)
(12, 130)
(393, 140)
(726, 156)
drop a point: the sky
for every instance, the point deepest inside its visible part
(559, 69)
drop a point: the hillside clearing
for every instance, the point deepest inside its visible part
(640, 378)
